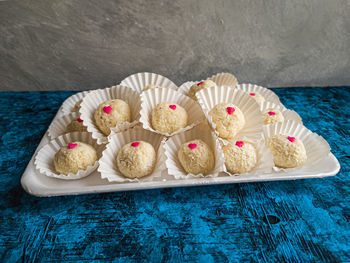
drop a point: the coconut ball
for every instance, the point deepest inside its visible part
(110, 113)
(196, 157)
(255, 95)
(287, 151)
(168, 117)
(228, 118)
(199, 86)
(136, 159)
(240, 157)
(270, 116)
(74, 157)
(151, 87)
(76, 125)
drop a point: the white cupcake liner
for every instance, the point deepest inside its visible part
(108, 165)
(139, 81)
(44, 160)
(264, 157)
(316, 147)
(268, 94)
(210, 97)
(152, 97)
(287, 114)
(173, 144)
(59, 125)
(96, 97)
(69, 104)
(185, 87)
(224, 79)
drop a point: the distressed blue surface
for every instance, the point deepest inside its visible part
(299, 221)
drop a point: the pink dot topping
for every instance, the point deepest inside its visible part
(200, 83)
(135, 144)
(239, 143)
(271, 113)
(291, 139)
(192, 145)
(107, 109)
(79, 120)
(230, 110)
(72, 145)
(173, 107)
(252, 94)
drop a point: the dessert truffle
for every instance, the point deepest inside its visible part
(228, 118)
(258, 98)
(240, 157)
(272, 116)
(151, 87)
(110, 113)
(199, 86)
(74, 157)
(287, 151)
(136, 159)
(76, 125)
(168, 117)
(196, 157)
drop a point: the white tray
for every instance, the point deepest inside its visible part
(40, 185)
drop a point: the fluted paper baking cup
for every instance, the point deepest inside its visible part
(316, 147)
(59, 124)
(72, 103)
(264, 162)
(185, 87)
(287, 114)
(108, 165)
(173, 144)
(224, 79)
(139, 81)
(96, 97)
(44, 160)
(151, 98)
(210, 97)
(268, 94)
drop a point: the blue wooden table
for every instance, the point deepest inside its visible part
(298, 221)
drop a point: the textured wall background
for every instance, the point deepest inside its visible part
(68, 44)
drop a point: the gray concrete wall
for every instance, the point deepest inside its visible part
(71, 44)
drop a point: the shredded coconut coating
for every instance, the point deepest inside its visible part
(269, 119)
(258, 98)
(195, 88)
(239, 160)
(72, 160)
(287, 154)
(120, 113)
(76, 126)
(77, 105)
(167, 120)
(199, 160)
(136, 162)
(227, 125)
(150, 87)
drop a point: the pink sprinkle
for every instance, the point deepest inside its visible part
(291, 139)
(173, 107)
(271, 113)
(252, 94)
(107, 109)
(200, 83)
(239, 143)
(72, 145)
(135, 144)
(230, 110)
(79, 120)
(192, 145)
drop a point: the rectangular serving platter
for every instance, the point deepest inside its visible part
(40, 185)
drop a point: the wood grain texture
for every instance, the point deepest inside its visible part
(291, 221)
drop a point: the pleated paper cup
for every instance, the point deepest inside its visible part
(185, 87)
(264, 162)
(210, 97)
(108, 164)
(151, 98)
(139, 81)
(316, 147)
(44, 160)
(287, 114)
(59, 125)
(96, 97)
(268, 94)
(173, 144)
(224, 79)
(72, 103)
